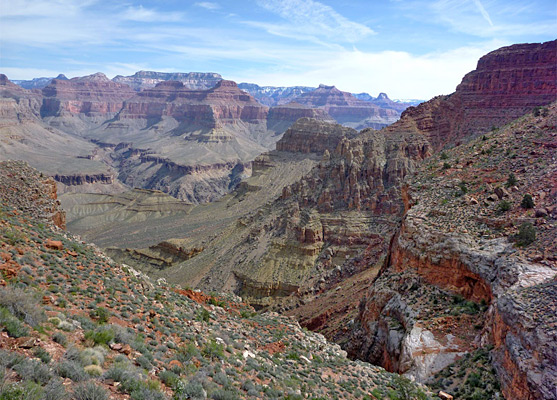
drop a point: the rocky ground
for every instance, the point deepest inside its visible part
(74, 324)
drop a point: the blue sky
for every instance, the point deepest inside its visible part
(406, 48)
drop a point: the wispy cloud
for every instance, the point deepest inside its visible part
(312, 19)
(142, 14)
(483, 11)
(208, 5)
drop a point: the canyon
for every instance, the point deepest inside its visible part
(405, 245)
(192, 135)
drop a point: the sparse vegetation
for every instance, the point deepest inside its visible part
(526, 234)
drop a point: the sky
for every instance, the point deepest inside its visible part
(410, 49)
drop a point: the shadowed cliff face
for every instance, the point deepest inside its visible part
(461, 236)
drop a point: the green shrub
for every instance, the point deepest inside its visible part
(511, 180)
(527, 201)
(446, 165)
(213, 350)
(101, 314)
(11, 324)
(504, 206)
(203, 315)
(42, 355)
(102, 335)
(526, 234)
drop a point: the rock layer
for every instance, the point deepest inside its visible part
(148, 79)
(347, 109)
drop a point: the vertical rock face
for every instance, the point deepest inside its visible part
(282, 117)
(312, 136)
(93, 96)
(148, 79)
(223, 104)
(506, 84)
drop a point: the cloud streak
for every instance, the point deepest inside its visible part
(312, 19)
(483, 11)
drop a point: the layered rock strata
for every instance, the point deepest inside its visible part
(148, 79)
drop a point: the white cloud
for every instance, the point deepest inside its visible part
(311, 19)
(208, 5)
(142, 14)
(399, 74)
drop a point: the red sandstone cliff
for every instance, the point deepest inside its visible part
(221, 105)
(506, 84)
(93, 96)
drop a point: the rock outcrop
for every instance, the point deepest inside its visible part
(30, 192)
(312, 136)
(274, 95)
(37, 83)
(148, 79)
(461, 237)
(347, 109)
(92, 96)
(280, 118)
(213, 108)
(506, 84)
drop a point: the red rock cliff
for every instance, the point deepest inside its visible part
(93, 95)
(506, 84)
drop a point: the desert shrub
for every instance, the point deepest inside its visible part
(504, 206)
(60, 338)
(511, 180)
(446, 165)
(92, 356)
(89, 391)
(42, 355)
(225, 394)
(9, 358)
(526, 234)
(190, 390)
(11, 324)
(22, 305)
(144, 362)
(147, 393)
(54, 390)
(527, 201)
(102, 335)
(213, 350)
(33, 370)
(72, 370)
(93, 370)
(169, 378)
